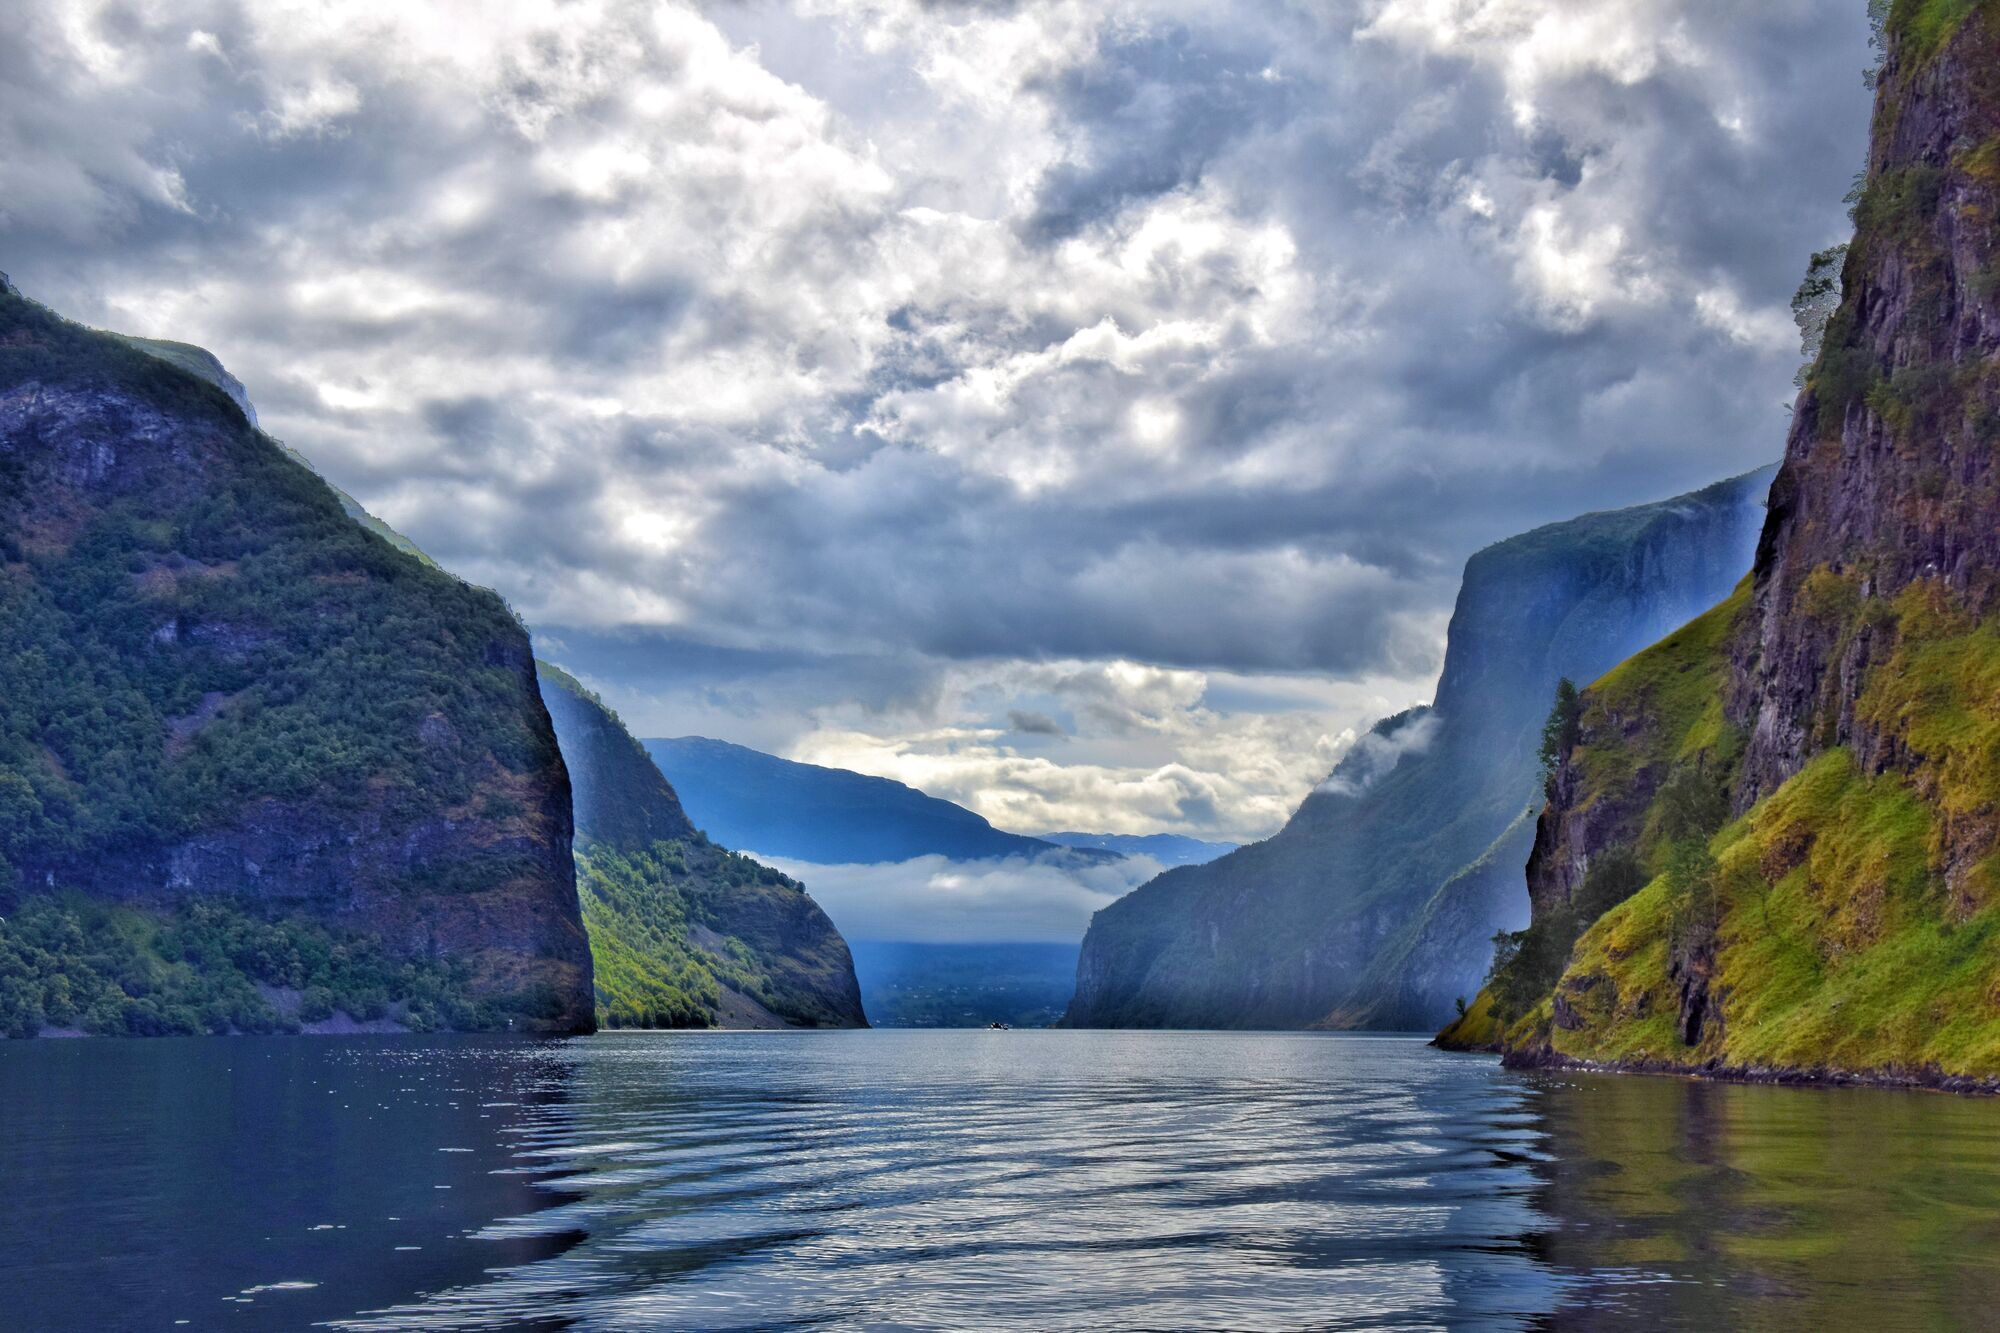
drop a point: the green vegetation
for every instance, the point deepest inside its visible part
(661, 961)
(209, 966)
(1477, 1027)
(1659, 709)
(1561, 730)
(205, 655)
(1922, 27)
(185, 649)
(1528, 963)
(1847, 921)
(1813, 304)
(648, 973)
(1835, 944)
(682, 932)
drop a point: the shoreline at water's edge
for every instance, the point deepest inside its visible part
(1929, 1080)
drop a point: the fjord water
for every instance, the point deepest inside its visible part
(965, 1179)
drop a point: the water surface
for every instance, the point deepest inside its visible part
(966, 1179)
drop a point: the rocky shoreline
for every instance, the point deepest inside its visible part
(1895, 1080)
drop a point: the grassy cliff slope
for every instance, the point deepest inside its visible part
(1807, 786)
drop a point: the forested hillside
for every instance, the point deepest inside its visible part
(233, 715)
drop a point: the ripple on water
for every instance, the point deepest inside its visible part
(1024, 1179)
(966, 1179)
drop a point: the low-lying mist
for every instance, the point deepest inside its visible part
(933, 899)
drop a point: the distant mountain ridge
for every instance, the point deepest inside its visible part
(1375, 905)
(1169, 849)
(826, 816)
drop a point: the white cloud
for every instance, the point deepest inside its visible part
(922, 363)
(1374, 755)
(935, 900)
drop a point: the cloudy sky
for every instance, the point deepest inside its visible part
(1078, 410)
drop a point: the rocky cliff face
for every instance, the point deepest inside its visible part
(1889, 475)
(685, 933)
(1842, 711)
(1375, 906)
(220, 689)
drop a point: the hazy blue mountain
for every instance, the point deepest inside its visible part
(910, 985)
(1375, 905)
(828, 816)
(1169, 849)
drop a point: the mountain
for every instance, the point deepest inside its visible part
(1374, 906)
(258, 769)
(1169, 849)
(685, 933)
(921, 985)
(827, 816)
(1772, 847)
(682, 933)
(204, 364)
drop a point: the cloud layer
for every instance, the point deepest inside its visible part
(867, 380)
(933, 900)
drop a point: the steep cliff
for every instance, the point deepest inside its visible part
(1806, 782)
(281, 760)
(685, 933)
(1375, 905)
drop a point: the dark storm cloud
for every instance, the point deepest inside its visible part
(1147, 116)
(1034, 724)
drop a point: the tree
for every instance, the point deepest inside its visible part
(20, 810)
(1813, 304)
(1563, 727)
(1693, 893)
(1692, 805)
(1612, 878)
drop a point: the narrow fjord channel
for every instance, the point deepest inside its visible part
(965, 1179)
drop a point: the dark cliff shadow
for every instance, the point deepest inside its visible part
(263, 1182)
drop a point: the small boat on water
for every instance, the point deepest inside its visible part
(999, 1027)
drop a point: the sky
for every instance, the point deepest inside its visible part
(1081, 411)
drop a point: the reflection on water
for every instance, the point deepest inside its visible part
(968, 1179)
(1701, 1205)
